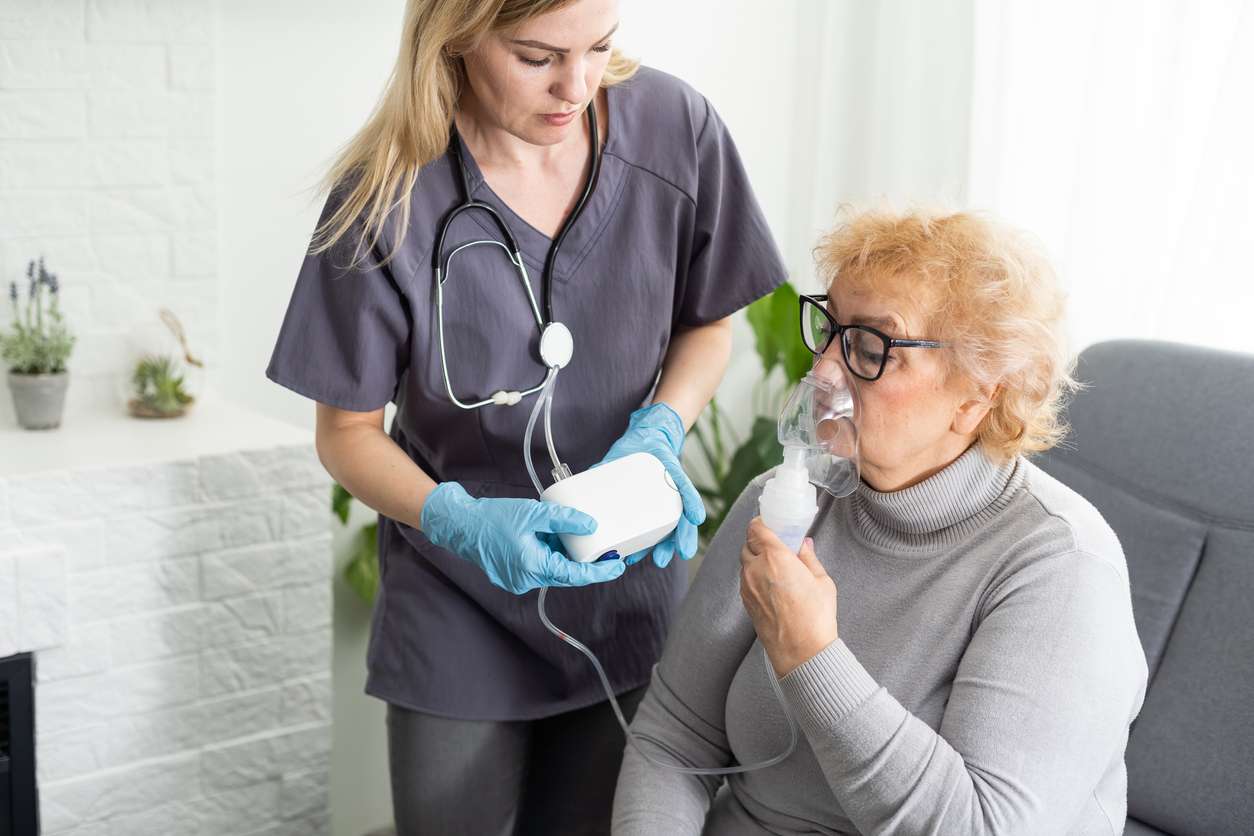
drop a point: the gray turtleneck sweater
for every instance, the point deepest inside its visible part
(984, 680)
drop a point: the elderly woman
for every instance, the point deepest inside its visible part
(982, 669)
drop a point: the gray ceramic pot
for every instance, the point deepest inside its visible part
(39, 398)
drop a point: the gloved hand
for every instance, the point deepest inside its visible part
(514, 541)
(659, 430)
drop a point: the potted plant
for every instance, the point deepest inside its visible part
(162, 382)
(158, 389)
(35, 349)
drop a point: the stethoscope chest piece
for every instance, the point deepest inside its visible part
(556, 345)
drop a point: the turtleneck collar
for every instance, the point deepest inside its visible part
(940, 511)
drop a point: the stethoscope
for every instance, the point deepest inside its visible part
(556, 342)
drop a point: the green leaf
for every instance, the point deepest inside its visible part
(708, 496)
(717, 424)
(775, 320)
(759, 453)
(766, 338)
(697, 432)
(707, 529)
(791, 354)
(341, 499)
(362, 571)
(797, 358)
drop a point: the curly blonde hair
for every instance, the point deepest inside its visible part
(983, 288)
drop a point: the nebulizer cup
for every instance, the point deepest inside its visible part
(788, 502)
(819, 435)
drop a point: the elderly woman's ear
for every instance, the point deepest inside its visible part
(971, 412)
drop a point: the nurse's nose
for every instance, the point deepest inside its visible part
(571, 85)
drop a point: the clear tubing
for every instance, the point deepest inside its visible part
(531, 425)
(631, 737)
(548, 424)
(546, 395)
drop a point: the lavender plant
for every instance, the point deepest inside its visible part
(38, 341)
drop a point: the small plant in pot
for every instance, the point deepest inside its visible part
(159, 391)
(36, 348)
(162, 383)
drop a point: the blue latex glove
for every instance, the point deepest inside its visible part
(659, 430)
(514, 541)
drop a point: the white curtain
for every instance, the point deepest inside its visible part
(882, 112)
(1122, 134)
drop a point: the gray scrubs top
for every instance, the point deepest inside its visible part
(672, 236)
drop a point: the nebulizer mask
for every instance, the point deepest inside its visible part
(818, 431)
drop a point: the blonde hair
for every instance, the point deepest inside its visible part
(984, 289)
(410, 126)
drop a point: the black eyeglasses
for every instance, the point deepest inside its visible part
(864, 348)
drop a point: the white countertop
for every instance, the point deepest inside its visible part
(108, 438)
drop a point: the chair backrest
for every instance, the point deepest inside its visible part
(1162, 443)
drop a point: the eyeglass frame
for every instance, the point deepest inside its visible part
(838, 332)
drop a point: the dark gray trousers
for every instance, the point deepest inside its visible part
(485, 778)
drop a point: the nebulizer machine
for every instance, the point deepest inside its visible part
(636, 504)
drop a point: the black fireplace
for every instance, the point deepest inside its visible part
(18, 813)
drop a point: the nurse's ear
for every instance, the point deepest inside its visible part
(970, 413)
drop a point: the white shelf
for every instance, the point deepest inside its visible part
(101, 438)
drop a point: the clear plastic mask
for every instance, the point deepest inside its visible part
(820, 417)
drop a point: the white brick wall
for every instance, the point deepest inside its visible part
(107, 169)
(180, 616)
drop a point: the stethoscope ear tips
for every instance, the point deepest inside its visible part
(557, 345)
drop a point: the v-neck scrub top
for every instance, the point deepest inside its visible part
(671, 236)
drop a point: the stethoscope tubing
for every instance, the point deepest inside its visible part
(440, 263)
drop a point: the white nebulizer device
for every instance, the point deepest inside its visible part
(633, 499)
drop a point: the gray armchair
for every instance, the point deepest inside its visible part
(1162, 444)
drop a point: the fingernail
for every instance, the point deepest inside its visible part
(810, 542)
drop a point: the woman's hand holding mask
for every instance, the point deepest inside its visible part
(790, 597)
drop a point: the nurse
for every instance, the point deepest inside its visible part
(494, 725)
